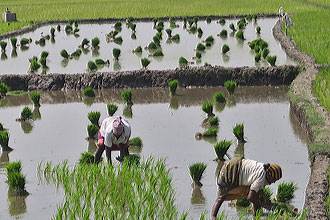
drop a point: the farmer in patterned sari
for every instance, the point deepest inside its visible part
(241, 178)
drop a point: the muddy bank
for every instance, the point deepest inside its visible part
(302, 101)
(113, 20)
(195, 77)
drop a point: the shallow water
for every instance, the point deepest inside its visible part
(273, 135)
(239, 54)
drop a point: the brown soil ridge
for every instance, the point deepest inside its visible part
(301, 88)
(195, 77)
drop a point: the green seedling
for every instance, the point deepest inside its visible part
(230, 86)
(92, 131)
(86, 158)
(172, 85)
(13, 41)
(208, 108)
(209, 39)
(16, 181)
(169, 33)
(232, 27)
(136, 142)
(222, 21)
(3, 45)
(244, 202)
(221, 149)
(35, 98)
(112, 108)
(116, 53)
(94, 117)
(218, 97)
(285, 192)
(196, 172)
(89, 92)
(212, 132)
(213, 121)
(26, 114)
(3, 89)
(91, 66)
(145, 62)
(198, 55)
(208, 19)
(238, 131)
(257, 57)
(34, 64)
(138, 50)
(271, 60)
(176, 38)
(157, 53)
(258, 29)
(240, 35)
(225, 48)
(183, 62)
(95, 42)
(126, 96)
(24, 42)
(223, 33)
(84, 43)
(200, 47)
(265, 53)
(44, 54)
(133, 27)
(64, 54)
(14, 167)
(118, 40)
(4, 138)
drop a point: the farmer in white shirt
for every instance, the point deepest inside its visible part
(113, 135)
(241, 178)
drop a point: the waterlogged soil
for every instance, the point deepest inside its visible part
(239, 54)
(167, 127)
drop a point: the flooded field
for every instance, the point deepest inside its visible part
(167, 127)
(239, 54)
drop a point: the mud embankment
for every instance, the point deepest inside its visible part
(301, 88)
(195, 77)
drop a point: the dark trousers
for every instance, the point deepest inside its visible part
(123, 152)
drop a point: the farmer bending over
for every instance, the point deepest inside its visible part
(114, 134)
(241, 178)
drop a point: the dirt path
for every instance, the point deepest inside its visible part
(302, 101)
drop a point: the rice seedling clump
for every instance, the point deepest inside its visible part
(92, 131)
(3, 89)
(112, 108)
(230, 86)
(4, 138)
(208, 108)
(145, 62)
(89, 92)
(14, 167)
(126, 96)
(183, 62)
(238, 131)
(212, 132)
(285, 192)
(218, 97)
(243, 202)
(35, 98)
(94, 117)
(137, 142)
(196, 172)
(221, 148)
(16, 181)
(172, 85)
(86, 158)
(26, 114)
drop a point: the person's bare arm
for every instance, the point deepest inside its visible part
(254, 198)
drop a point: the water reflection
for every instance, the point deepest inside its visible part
(219, 107)
(116, 65)
(36, 115)
(17, 203)
(14, 53)
(92, 147)
(231, 101)
(127, 111)
(88, 101)
(64, 62)
(4, 157)
(239, 150)
(26, 126)
(95, 53)
(174, 102)
(197, 196)
(4, 56)
(225, 58)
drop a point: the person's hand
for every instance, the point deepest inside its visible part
(100, 142)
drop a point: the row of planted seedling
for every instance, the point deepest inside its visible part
(154, 47)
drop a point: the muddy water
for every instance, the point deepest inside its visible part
(167, 129)
(239, 54)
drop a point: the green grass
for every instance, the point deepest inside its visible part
(126, 96)
(86, 158)
(14, 167)
(172, 86)
(321, 87)
(4, 138)
(26, 114)
(92, 131)
(35, 98)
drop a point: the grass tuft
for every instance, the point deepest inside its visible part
(92, 131)
(126, 96)
(86, 158)
(238, 131)
(4, 138)
(230, 86)
(172, 85)
(112, 108)
(94, 117)
(136, 142)
(35, 98)
(208, 108)
(89, 92)
(285, 192)
(26, 114)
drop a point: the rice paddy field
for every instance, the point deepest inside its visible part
(274, 134)
(167, 127)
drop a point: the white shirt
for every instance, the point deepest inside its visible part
(252, 174)
(109, 137)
